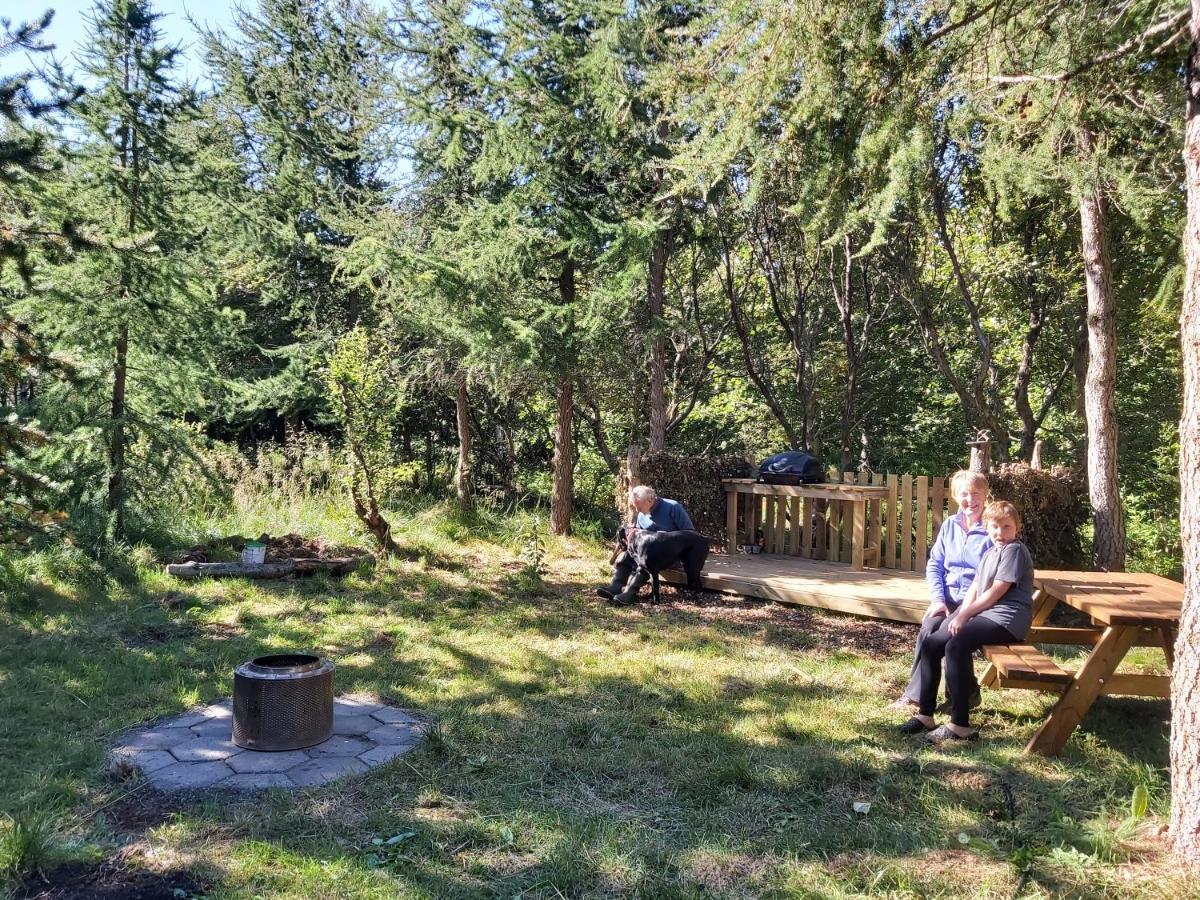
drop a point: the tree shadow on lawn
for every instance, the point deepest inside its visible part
(557, 776)
(613, 786)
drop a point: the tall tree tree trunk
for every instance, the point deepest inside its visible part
(116, 440)
(1079, 367)
(564, 460)
(658, 349)
(1185, 674)
(563, 474)
(462, 473)
(1108, 546)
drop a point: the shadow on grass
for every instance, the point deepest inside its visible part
(549, 773)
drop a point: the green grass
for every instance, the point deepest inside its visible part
(579, 750)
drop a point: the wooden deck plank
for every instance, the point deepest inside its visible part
(875, 593)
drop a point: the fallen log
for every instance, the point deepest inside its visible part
(277, 569)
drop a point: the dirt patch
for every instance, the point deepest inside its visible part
(286, 546)
(111, 880)
(879, 640)
(132, 817)
(152, 635)
(222, 631)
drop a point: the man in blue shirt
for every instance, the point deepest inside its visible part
(654, 513)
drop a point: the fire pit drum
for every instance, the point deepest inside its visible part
(282, 702)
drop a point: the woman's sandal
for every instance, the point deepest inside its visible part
(915, 726)
(943, 733)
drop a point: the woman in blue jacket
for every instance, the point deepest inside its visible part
(960, 547)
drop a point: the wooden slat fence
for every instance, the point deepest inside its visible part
(901, 527)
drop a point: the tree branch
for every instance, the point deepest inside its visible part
(1176, 23)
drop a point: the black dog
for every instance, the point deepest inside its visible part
(653, 551)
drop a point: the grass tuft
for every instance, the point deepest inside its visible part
(27, 846)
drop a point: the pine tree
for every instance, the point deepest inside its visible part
(562, 166)
(127, 307)
(27, 165)
(302, 145)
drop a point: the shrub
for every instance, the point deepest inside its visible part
(1053, 507)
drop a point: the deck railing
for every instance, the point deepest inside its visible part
(901, 527)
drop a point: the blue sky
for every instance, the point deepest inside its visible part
(69, 28)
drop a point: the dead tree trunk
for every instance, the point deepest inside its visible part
(462, 473)
(563, 474)
(1108, 547)
(1185, 674)
(116, 440)
(564, 460)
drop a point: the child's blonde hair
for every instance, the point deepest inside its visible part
(1001, 509)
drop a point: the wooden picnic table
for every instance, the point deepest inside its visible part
(854, 495)
(1127, 609)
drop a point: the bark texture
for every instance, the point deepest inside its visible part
(1185, 675)
(657, 284)
(563, 467)
(462, 473)
(564, 460)
(116, 439)
(1108, 548)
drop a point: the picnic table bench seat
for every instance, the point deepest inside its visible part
(1024, 665)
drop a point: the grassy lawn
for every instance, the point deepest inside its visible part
(686, 750)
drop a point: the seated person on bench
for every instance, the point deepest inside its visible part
(998, 609)
(654, 513)
(961, 545)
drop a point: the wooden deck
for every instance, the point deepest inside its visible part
(876, 593)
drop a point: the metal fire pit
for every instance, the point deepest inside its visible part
(282, 702)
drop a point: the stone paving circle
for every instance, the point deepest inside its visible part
(195, 750)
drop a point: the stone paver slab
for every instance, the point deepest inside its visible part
(352, 724)
(395, 734)
(213, 728)
(320, 771)
(187, 720)
(146, 761)
(356, 705)
(222, 710)
(377, 756)
(190, 775)
(157, 738)
(258, 762)
(258, 781)
(339, 745)
(389, 715)
(200, 749)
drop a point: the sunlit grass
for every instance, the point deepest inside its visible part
(578, 750)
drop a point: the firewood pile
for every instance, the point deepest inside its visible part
(693, 481)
